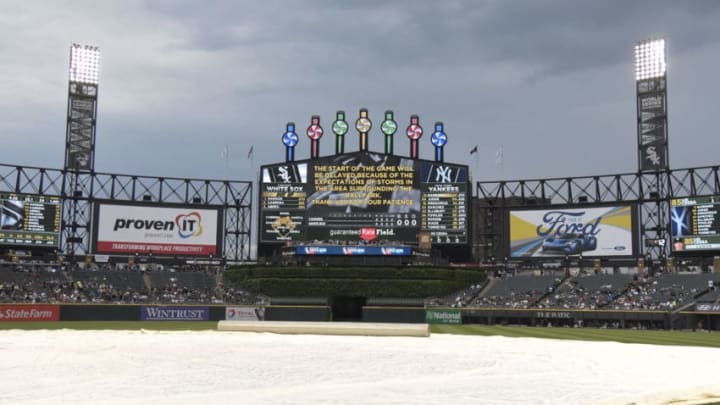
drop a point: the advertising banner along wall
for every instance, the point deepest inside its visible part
(142, 229)
(451, 316)
(14, 313)
(592, 232)
(174, 313)
(245, 313)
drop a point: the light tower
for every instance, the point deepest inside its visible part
(84, 74)
(82, 107)
(653, 153)
(651, 88)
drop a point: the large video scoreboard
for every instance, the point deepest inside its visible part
(695, 223)
(363, 197)
(29, 220)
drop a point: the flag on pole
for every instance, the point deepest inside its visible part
(250, 151)
(225, 154)
(474, 150)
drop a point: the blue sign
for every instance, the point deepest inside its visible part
(353, 250)
(290, 137)
(439, 137)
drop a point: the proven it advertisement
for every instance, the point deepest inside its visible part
(142, 229)
(590, 232)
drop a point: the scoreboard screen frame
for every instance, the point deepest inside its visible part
(31, 239)
(686, 244)
(300, 184)
(145, 240)
(618, 251)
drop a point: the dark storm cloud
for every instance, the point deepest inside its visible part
(551, 81)
(554, 36)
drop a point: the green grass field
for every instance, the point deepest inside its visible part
(654, 337)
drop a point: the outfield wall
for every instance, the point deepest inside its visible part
(708, 320)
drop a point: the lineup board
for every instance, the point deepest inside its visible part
(695, 223)
(29, 220)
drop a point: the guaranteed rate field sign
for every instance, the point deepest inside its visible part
(591, 232)
(143, 229)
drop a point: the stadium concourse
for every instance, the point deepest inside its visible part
(145, 367)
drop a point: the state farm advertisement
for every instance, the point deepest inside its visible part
(15, 313)
(142, 229)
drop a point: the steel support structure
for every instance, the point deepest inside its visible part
(79, 191)
(79, 161)
(651, 191)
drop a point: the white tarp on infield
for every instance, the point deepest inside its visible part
(118, 367)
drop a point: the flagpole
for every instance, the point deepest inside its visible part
(225, 156)
(475, 161)
(499, 159)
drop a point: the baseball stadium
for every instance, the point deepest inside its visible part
(360, 273)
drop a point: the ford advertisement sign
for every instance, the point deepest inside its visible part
(591, 232)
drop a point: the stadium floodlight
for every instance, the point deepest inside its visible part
(650, 59)
(84, 64)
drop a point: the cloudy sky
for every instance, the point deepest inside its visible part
(550, 81)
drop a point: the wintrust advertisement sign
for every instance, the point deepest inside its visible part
(15, 313)
(591, 232)
(174, 313)
(142, 229)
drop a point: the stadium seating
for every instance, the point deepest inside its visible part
(521, 291)
(587, 291)
(45, 284)
(661, 292)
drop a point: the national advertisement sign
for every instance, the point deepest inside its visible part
(448, 316)
(160, 313)
(245, 314)
(15, 313)
(143, 229)
(590, 232)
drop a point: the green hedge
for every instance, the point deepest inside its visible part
(387, 282)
